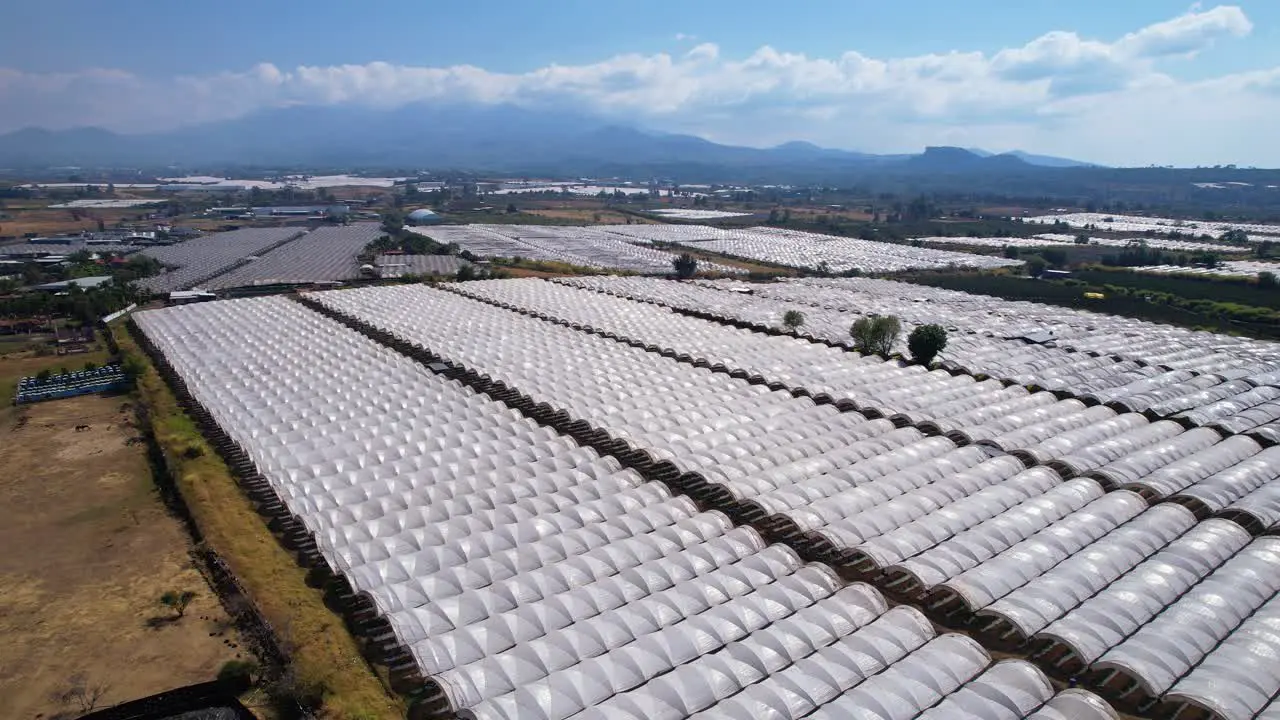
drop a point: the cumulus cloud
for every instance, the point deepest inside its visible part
(1049, 91)
(1187, 34)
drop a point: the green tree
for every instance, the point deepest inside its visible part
(1011, 252)
(512, 209)
(392, 222)
(1036, 266)
(792, 320)
(32, 274)
(875, 334)
(1082, 239)
(177, 601)
(238, 674)
(1267, 280)
(1263, 248)
(925, 342)
(686, 266)
(467, 272)
(1238, 237)
(1056, 257)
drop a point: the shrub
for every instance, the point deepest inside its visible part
(177, 601)
(685, 266)
(237, 674)
(1036, 266)
(295, 696)
(925, 342)
(792, 319)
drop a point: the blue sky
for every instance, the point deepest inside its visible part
(1123, 81)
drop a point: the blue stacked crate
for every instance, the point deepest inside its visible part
(80, 382)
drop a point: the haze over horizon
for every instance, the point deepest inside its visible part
(1138, 83)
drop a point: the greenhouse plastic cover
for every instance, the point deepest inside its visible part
(532, 577)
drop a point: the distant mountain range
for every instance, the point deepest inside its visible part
(495, 139)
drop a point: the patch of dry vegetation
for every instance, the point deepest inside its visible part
(324, 656)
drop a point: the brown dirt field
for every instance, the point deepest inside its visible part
(585, 215)
(45, 221)
(98, 548)
(810, 214)
(1012, 211)
(526, 273)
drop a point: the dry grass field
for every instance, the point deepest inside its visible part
(89, 550)
(581, 215)
(48, 221)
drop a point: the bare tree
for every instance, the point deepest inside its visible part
(80, 693)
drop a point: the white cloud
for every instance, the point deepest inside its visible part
(1107, 101)
(1186, 34)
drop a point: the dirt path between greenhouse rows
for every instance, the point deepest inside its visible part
(88, 549)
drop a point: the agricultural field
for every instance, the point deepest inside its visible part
(584, 215)
(501, 478)
(80, 603)
(32, 217)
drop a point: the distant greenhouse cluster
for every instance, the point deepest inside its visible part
(798, 249)
(105, 203)
(326, 254)
(592, 247)
(1226, 268)
(691, 214)
(1047, 240)
(995, 242)
(1137, 224)
(1159, 243)
(191, 263)
(259, 256)
(621, 247)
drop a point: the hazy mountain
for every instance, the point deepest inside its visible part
(1052, 161)
(954, 159)
(1041, 160)
(499, 139)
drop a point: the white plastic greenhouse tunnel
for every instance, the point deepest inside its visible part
(583, 500)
